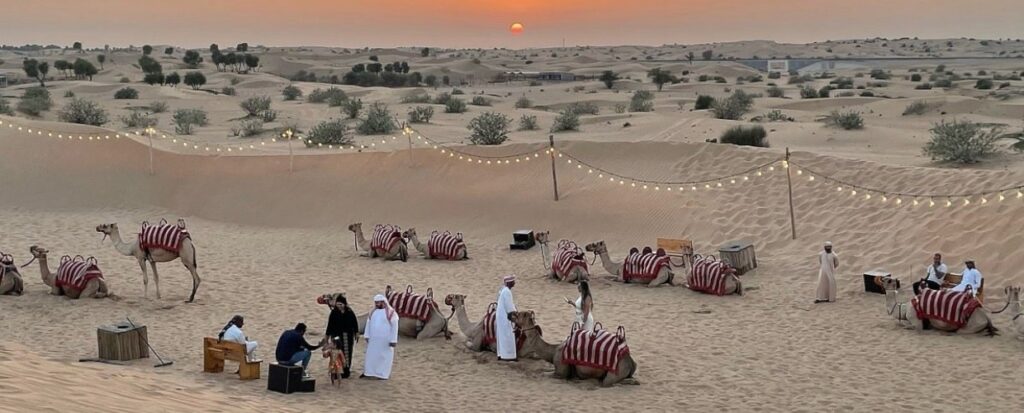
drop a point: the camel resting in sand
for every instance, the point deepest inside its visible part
(458, 249)
(187, 253)
(664, 275)
(436, 326)
(11, 282)
(1013, 307)
(535, 345)
(94, 288)
(906, 316)
(572, 274)
(474, 332)
(399, 251)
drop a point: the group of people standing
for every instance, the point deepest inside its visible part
(505, 339)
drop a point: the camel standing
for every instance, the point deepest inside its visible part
(474, 332)
(399, 251)
(616, 268)
(535, 345)
(574, 274)
(11, 282)
(1013, 306)
(460, 253)
(906, 316)
(95, 288)
(187, 254)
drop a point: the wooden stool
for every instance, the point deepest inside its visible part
(739, 255)
(122, 342)
(214, 354)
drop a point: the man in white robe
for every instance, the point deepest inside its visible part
(233, 333)
(971, 278)
(381, 337)
(829, 263)
(503, 329)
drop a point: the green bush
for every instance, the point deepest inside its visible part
(186, 120)
(158, 106)
(825, 91)
(34, 101)
(352, 107)
(924, 86)
(5, 107)
(268, 115)
(154, 78)
(984, 84)
(584, 108)
(776, 115)
(291, 92)
(528, 122)
(457, 92)
(442, 98)
(421, 114)
(480, 101)
(378, 120)
(808, 92)
(961, 141)
(775, 92)
(454, 105)
(83, 112)
(944, 83)
(324, 96)
(331, 132)
(255, 105)
(490, 128)
(228, 90)
(745, 136)
(69, 94)
(620, 108)
(704, 102)
(248, 127)
(195, 80)
(523, 103)
(642, 101)
(567, 120)
(916, 108)
(915, 77)
(125, 79)
(417, 97)
(138, 119)
(847, 120)
(732, 107)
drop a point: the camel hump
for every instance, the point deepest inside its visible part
(181, 223)
(145, 224)
(65, 258)
(163, 221)
(620, 333)
(408, 289)
(92, 260)
(458, 235)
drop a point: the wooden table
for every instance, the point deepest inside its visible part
(739, 255)
(122, 342)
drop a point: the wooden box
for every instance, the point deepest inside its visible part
(739, 255)
(288, 379)
(522, 240)
(873, 281)
(122, 342)
(677, 248)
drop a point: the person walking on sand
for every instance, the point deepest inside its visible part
(829, 262)
(505, 335)
(381, 338)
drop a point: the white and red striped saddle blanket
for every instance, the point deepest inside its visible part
(411, 305)
(490, 338)
(598, 348)
(163, 236)
(946, 306)
(708, 275)
(643, 267)
(567, 257)
(77, 272)
(444, 245)
(385, 237)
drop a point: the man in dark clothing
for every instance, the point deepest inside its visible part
(292, 348)
(343, 328)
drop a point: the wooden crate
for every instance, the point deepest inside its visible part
(122, 342)
(677, 248)
(873, 281)
(740, 255)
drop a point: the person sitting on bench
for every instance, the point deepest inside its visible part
(971, 278)
(232, 332)
(292, 348)
(933, 277)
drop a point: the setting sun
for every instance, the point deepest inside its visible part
(516, 28)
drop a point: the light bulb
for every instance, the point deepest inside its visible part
(771, 168)
(915, 202)
(885, 199)
(839, 189)
(868, 196)
(811, 178)
(984, 201)
(759, 173)
(1020, 194)
(949, 203)
(967, 201)
(746, 178)
(854, 192)
(899, 201)
(707, 186)
(799, 172)
(732, 181)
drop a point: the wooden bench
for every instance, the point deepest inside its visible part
(677, 248)
(952, 279)
(214, 354)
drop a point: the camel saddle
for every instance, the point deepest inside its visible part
(595, 348)
(445, 245)
(644, 266)
(409, 305)
(567, 257)
(708, 275)
(954, 308)
(385, 237)
(163, 236)
(77, 272)
(490, 338)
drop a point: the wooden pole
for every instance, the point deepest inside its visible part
(151, 171)
(291, 155)
(789, 183)
(554, 175)
(409, 137)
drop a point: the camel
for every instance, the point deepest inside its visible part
(399, 252)
(664, 276)
(460, 253)
(187, 254)
(95, 288)
(474, 332)
(906, 316)
(411, 327)
(535, 345)
(732, 282)
(11, 282)
(574, 274)
(1013, 306)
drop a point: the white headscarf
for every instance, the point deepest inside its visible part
(387, 305)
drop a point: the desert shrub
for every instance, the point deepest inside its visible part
(944, 83)
(584, 108)
(442, 98)
(620, 108)
(775, 92)
(703, 78)
(84, 112)
(126, 93)
(378, 120)
(776, 115)
(940, 68)
(34, 101)
(878, 84)
(352, 107)
(268, 115)
(867, 93)
(291, 92)
(5, 107)
(983, 84)
(69, 94)
(138, 119)
(186, 120)
(642, 101)
(528, 122)
(535, 82)
(228, 90)
(523, 103)
(719, 79)
(457, 92)
(915, 77)
(248, 127)
(746, 136)
(326, 95)
(848, 120)
(331, 132)
(416, 98)
(255, 105)
(454, 105)
(808, 92)
(567, 120)
(235, 81)
(774, 75)
(421, 114)
(158, 106)
(880, 74)
(156, 78)
(961, 141)
(825, 91)
(916, 108)
(1004, 85)
(924, 86)
(846, 94)
(732, 107)
(704, 102)
(125, 79)
(480, 101)
(490, 128)
(842, 83)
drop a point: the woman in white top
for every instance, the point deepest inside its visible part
(233, 332)
(584, 306)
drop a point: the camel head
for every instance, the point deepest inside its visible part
(1012, 294)
(328, 298)
(891, 284)
(409, 233)
(106, 229)
(524, 320)
(542, 237)
(38, 252)
(596, 247)
(455, 301)
(357, 227)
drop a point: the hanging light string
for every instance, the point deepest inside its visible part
(758, 170)
(61, 135)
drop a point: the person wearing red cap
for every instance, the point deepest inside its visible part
(505, 335)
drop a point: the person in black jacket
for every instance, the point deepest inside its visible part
(293, 349)
(343, 328)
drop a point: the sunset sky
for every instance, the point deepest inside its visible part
(484, 23)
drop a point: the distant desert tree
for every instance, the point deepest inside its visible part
(703, 102)
(359, 68)
(374, 68)
(147, 49)
(126, 93)
(77, 46)
(252, 61)
(659, 77)
(83, 112)
(732, 107)
(34, 101)
(36, 70)
(566, 121)
(84, 69)
(490, 128)
(331, 132)
(642, 101)
(242, 47)
(169, 51)
(690, 56)
(608, 77)
(378, 120)
(149, 65)
(101, 59)
(192, 59)
(352, 107)
(195, 79)
(708, 54)
(172, 79)
(445, 80)
(961, 141)
(291, 92)
(374, 58)
(425, 52)
(186, 120)
(154, 78)
(63, 66)
(775, 92)
(430, 80)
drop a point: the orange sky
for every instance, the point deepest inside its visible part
(484, 23)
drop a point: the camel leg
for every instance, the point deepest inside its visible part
(433, 328)
(92, 290)
(665, 276)
(55, 290)
(476, 342)
(145, 278)
(156, 278)
(979, 322)
(189, 260)
(912, 320)
(562, 370)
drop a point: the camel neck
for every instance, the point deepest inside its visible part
(44, 272)
(119, 244)
(415, 239)
(608, 264)
(464, 324)
(546, 351)
(361, 240)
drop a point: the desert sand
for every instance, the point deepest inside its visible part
(269, 242)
